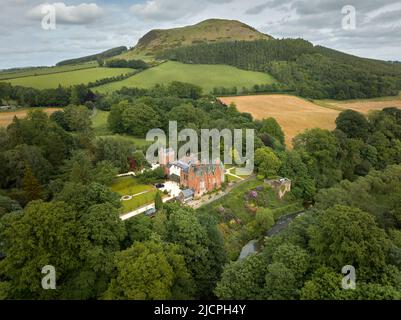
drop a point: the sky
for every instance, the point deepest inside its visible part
(84, 28)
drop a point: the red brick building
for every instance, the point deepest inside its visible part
(191, 174)
(202, 178)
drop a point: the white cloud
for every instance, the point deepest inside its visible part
(166, 10)
(83, 13)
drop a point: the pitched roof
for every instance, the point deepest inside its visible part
(187, 193)
(206, 169)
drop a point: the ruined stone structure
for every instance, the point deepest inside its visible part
(281, 186)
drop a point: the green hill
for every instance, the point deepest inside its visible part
(103, 55)
(311, 71)
(205, 76)
(208, 31)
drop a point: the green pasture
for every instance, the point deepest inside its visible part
(67, 79)
(205, 76)
(27, 72)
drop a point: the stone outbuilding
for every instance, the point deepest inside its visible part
(281, 186)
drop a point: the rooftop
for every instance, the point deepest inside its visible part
(188, 193)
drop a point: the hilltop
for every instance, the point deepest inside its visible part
(208, 31)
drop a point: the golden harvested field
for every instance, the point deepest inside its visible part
(292, 113)
(7, 117)
(364, 106)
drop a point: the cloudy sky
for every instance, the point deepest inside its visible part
(84, 28)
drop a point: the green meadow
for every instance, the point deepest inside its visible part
(28, 72)
(67, 79)
(205, 76)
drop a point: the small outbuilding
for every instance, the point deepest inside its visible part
(281, 186)
(186, 195)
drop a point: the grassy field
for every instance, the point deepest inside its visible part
(99, 123)
(6, 75)
(129, 186)
(292, 113)
(230, 178)
(7, 117)
(206, 76)
(67, 79)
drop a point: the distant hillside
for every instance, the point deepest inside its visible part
(208, 31)
(311, 71)
(103, 55)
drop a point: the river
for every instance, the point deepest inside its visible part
(281, 224)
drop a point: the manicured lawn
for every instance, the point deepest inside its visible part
(231, 178)
(206, 76)
(67, 79)
(129, 186)
(139, 201)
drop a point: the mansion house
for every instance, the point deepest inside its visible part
(191, 174)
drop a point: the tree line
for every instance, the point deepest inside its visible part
(121, 63)
(257, 88)
(58, 97)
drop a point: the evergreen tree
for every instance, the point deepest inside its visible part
(32, 188)
(158, 201)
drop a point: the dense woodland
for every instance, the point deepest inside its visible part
(56, 207)
(311, 71)
(355, 223)
(121, 63)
